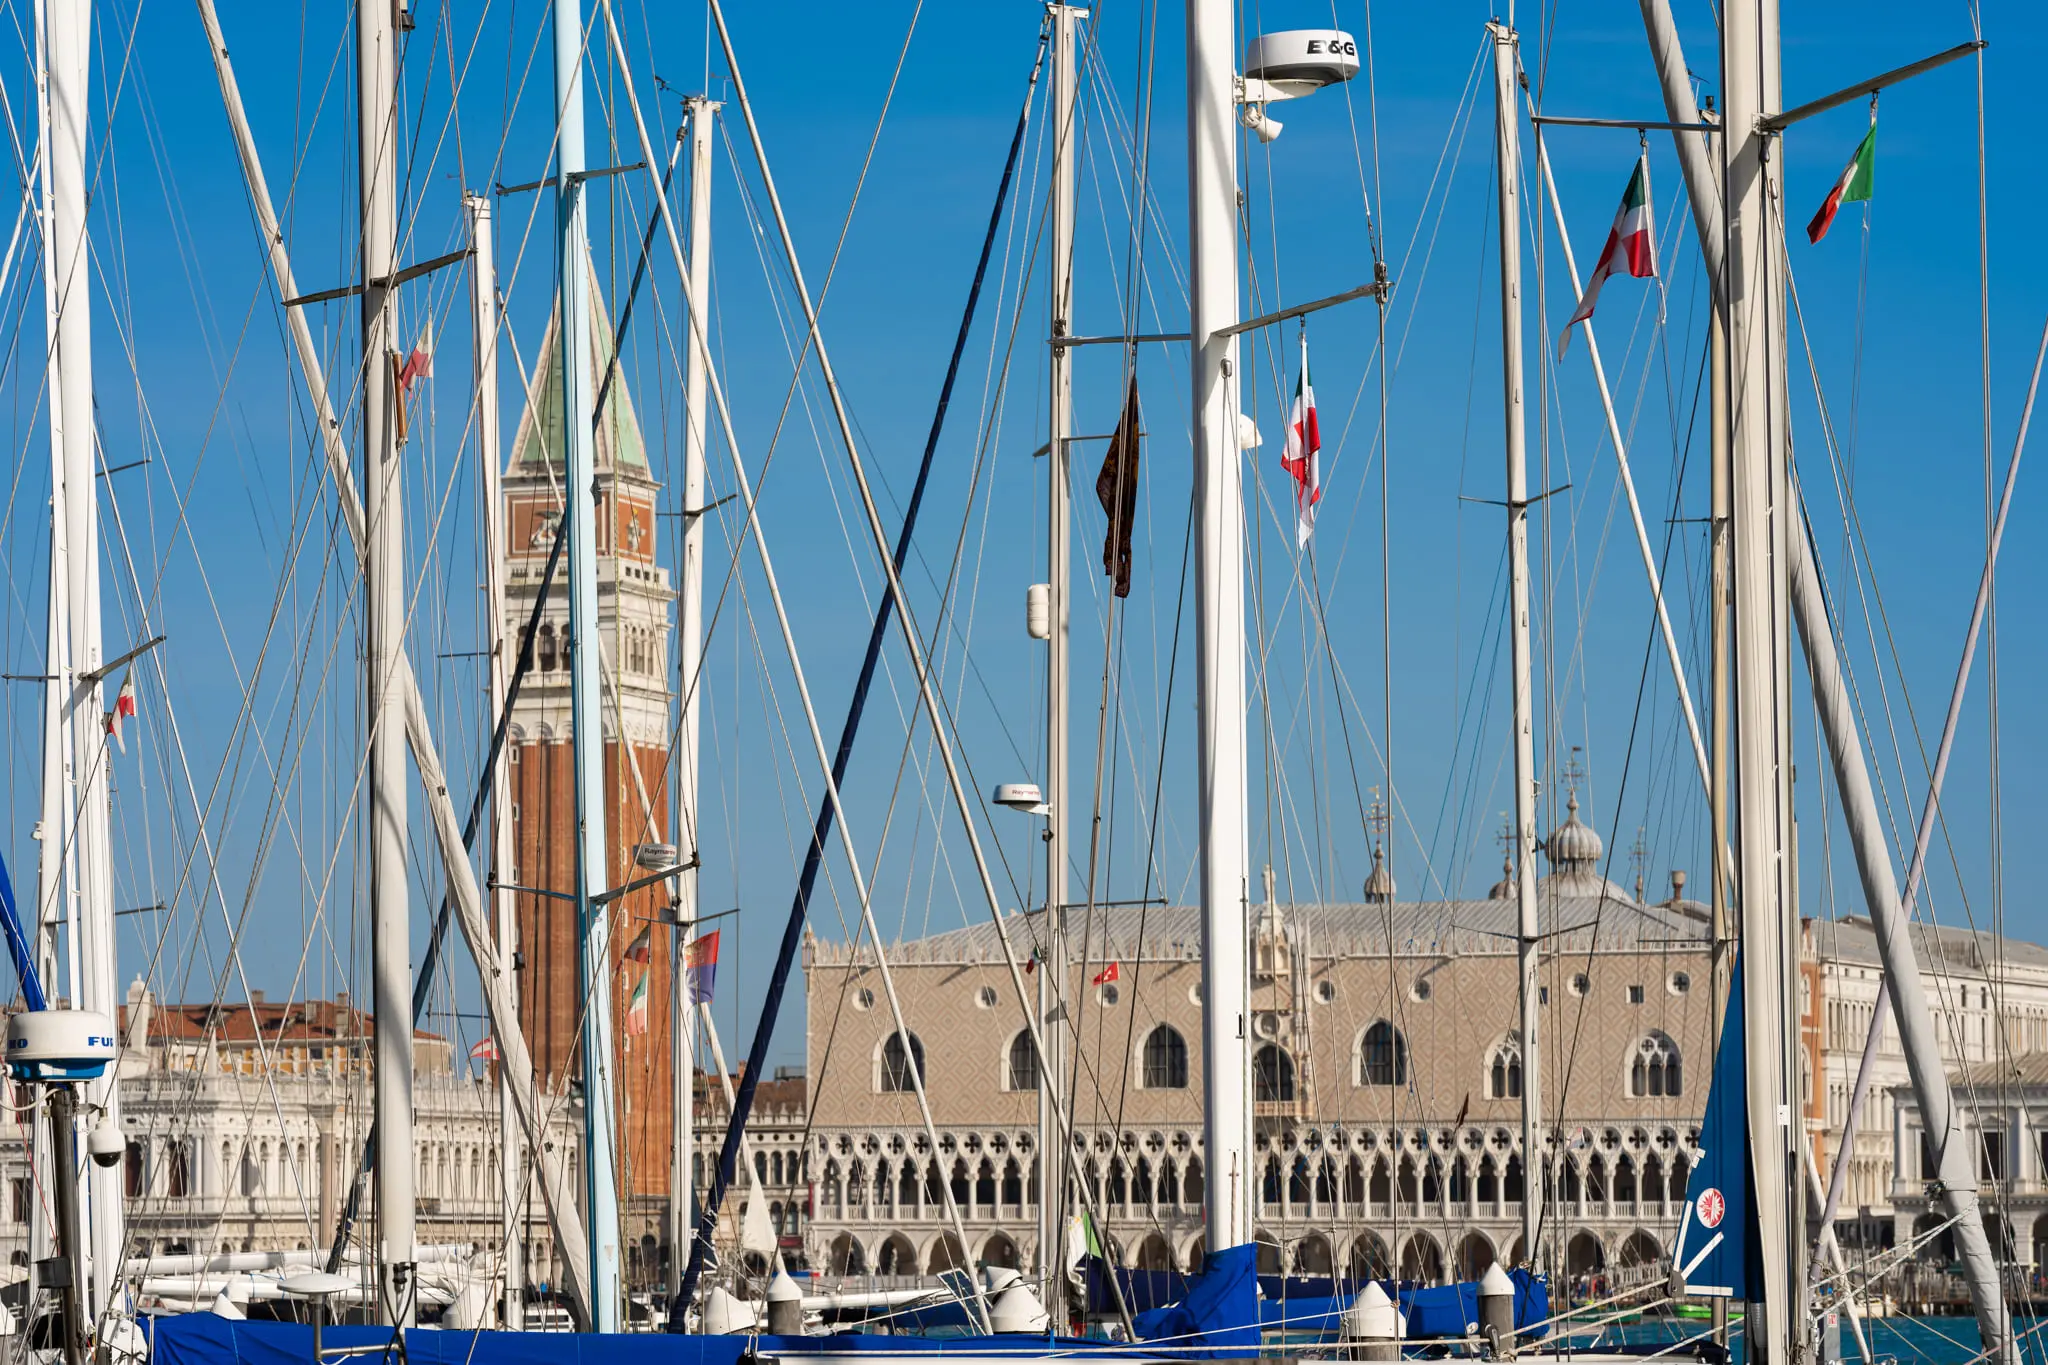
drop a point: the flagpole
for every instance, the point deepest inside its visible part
(1509, 162)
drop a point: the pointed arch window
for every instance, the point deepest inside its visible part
(1166, 1059)
(1504, 1069)
(1656, 1071)
(899, 1060)
(1022, 1071)
(1382, 1055)
(1272, 1075)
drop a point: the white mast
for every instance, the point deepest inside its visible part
(483, 294)
(1509, 144)
(1219, 616)
(54, 867)
(1052, 1154)
(1760, 530)
(682, 1182)
(68, 40)
(384, 612)
(600, 1154)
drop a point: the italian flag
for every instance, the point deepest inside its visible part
(1302, 457)
(1631, 247)
(636, 1008)
(1853, 186)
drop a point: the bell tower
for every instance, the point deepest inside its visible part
(634, 600)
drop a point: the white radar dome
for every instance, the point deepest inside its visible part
(1304, 58)
(59, 1045)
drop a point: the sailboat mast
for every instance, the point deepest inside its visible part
(1760, 531)
(55, 873)
(699, 111)
(1509, 162)
(68, 40)
(1052, 1087)
(1219, 617)
(572, 237)
(483, 294)
(384, 621)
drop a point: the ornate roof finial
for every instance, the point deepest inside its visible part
(1504, 889)
(1379, 884)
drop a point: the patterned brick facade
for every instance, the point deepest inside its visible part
(1387, 1075)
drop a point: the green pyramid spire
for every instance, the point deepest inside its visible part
(542, 436)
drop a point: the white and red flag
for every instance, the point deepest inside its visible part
(124, 707)
(1303, 456)
(485, 1050)
(418, 364)
(1631, 248)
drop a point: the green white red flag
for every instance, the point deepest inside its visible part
(1302, 457)
(1853, 186)
(636, 1009)
(1631, 248)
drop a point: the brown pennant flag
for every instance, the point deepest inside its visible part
(1116, 488)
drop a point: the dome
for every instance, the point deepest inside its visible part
(1574, 850)
(1504, 889)
(1573, 842)
(1379, 885)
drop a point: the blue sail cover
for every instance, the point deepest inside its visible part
(1452, 1310)
(1306, 1305)
(1717, 1250)
(1219, 1315)
(204, 1339)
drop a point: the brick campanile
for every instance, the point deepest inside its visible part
(634, 600)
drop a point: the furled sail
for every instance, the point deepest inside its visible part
(1717, 1251)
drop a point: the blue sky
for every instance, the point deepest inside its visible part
(235, 555)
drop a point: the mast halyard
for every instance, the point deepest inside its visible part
(1509, 198)
(699, 111)
(593, 921)
(1219, 617)
(1052, 1086)
(384, 612)
(483, 290)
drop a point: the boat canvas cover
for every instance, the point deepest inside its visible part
(1306, 1304)
(1452, 1310)
(204, 1339)
(1218, 1316)
(1717, 1251)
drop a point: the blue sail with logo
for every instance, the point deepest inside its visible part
(1718, 1253)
